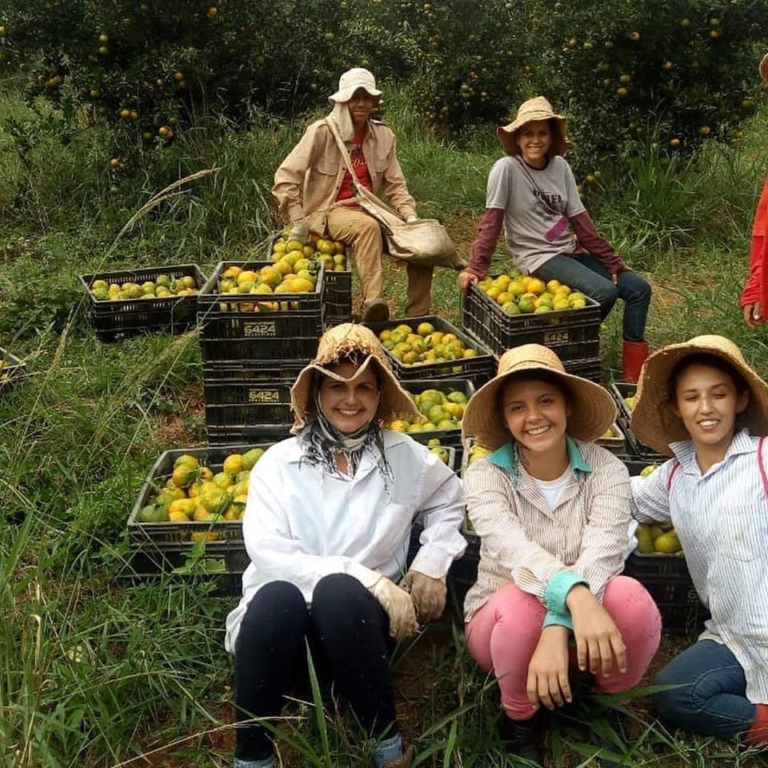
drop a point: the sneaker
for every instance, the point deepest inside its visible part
(375, 311)
(404, 761)
(521, 738)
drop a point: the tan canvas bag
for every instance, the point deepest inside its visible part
(424, 242)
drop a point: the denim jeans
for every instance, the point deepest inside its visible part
(712, 698)
(586, 274)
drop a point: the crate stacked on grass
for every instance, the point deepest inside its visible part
(659, 565)
(568, 324)
(624, 394)
(441, 403)
(187, 516)
(431, 356)
(257, 333)
(335, 258)
(11, 370)
(127, 302)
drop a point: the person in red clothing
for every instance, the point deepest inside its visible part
(754, 297)
(532, 194)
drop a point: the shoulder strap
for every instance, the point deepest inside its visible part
(334, 129)
(533, 183)
(761, 464)
(672, 474)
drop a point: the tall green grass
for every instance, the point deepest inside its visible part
(95, 671)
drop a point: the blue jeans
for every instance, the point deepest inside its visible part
(712, 700)
(586, 274)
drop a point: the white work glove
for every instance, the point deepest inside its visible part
(413, 217)
(399, 607)
(300, 231)
(428, 595)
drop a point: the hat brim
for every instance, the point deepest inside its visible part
(343, 95)
(394, 401)
(592, 409)
(764, 68)
(508, 133)
(654, 421)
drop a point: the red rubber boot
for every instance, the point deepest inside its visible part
(758, 733)
(635, 354)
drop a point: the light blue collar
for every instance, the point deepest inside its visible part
(506, 457)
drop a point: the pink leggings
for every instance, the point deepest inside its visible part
(503, 635)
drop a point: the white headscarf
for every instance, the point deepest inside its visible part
(343, 119)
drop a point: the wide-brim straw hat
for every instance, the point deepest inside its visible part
(592, 409)
(654, 421)
(535, 109)
(351, 80)
(764, 68)
(336, 344)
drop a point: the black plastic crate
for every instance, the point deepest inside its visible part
(477, 369)
(221, 563)
(447, 437)
(667, 580)
(12, 370)
(243, 395)
(233, 436)
(261, 332)
(337, 294)
(620, 390)
(127, 317)
(616, 445)
(172, 534)
(574, 334)
(338, 297)
(587, 369)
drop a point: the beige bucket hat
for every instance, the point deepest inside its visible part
(335, 344)
(655, 423)
(537, 108)
(764, 68)
(351, 80)
(592, 407)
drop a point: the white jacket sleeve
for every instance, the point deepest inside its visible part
(275, 553)
(441, 512)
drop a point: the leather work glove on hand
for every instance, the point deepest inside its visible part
(428, 595)
(399, 607)
(300, 231)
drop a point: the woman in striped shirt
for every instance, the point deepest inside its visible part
(552, 512)
(702, 404)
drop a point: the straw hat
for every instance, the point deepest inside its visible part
(335, 344)
(655, 423)
(764, 68)
(351, 80)
(535, 109)
(592, 407)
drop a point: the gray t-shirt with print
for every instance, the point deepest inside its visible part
(535, 232)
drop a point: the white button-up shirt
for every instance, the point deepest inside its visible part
(721, 519)
(302, 524)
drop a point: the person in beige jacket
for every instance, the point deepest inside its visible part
(313, 182)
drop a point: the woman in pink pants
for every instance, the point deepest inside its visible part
(552, 511)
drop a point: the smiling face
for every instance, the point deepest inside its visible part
(536, 413)
(349, 405)
(708, 402)
(360, 107)
(534, 140)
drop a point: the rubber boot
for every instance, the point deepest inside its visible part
(758, 733)
(635, 354)
(521, 738)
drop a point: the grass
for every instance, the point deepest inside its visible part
(96, 671)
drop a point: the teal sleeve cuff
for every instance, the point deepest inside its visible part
(555, 617)
(557, 589)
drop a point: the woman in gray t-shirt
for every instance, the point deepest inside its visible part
(532, 194)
